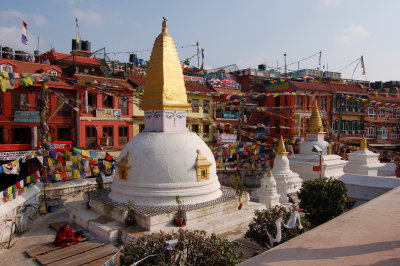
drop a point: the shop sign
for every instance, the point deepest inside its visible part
(108, 113)
(26, 117)
(13, 155)
(14, 147)
(224, 137)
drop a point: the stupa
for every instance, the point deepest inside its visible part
(164, 161)
(287, 181)
(267, 194)
(363, 161)
(303, 163)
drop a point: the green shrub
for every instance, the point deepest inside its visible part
(192, 248)
(264, 221)
(324, 199)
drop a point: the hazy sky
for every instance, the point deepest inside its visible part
(245, 33)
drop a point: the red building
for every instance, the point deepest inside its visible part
(20, 106)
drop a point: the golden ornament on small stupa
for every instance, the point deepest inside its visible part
(281, 148)
(363, 144)
(315, 126)
(269, 173)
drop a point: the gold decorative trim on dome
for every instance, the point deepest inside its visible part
(165, 88)
(202, 167)
(315, 126)
(269, 173)
(281, 148)
(363, 144)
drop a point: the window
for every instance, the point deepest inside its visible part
(123, 105)
(6, 68)
(18, 101)
(21, 135)
(52, 72)
(92, 102)
(91, 136)
(206, 107)
(299, 102)
(382, 132)
(64, 133)
(277, 127)
(195, 105)
(371, 133)
(195, 128)
(122, 135)
(108, 131)
(38, 98)
(219, 112)
(108, 101)
(65, 110)
(286, 100)
(206, 131)
(277, 101)
(371, 112)
(286, 126)
(394, 132)
(141, 127)
(323, 103)
(382, 112)
(395, 113)
(308, 105)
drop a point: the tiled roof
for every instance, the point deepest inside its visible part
(384, 98)
(138, 80)
(327, 87)
(190, 86)
(225, 90)
(28, 67)
(79, 59)
(104, 80)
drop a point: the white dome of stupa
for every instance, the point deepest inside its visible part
(166, 160)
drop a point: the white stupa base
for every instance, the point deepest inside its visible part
(287, 183)
(163, 167)
(332, 166)
(387, 170)
(269, 201)
(363, 163)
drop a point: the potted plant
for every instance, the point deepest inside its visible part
(130, 213)
(396, 162)
(180, 215)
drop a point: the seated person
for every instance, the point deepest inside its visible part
(65, 236)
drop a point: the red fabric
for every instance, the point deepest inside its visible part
(65, 237)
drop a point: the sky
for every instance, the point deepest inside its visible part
(245, 33)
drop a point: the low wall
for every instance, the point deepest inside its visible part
(250, 179)
(364, 188)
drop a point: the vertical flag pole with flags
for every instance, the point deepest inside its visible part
(24, 38)
(362, 65)
(202, 58)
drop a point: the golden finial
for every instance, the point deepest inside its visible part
(269, 173)
(281, 147)
(164, 88)
(315, 126)
(363, 144)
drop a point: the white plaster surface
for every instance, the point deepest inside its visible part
(332, 166)
(287, 181)
(268, 195)
(387, 170)
(363, 162)
(363, 187)
(162, 167)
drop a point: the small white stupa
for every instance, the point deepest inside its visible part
(267, 193)
(286, 180)
(363, 161)
(303, 163)
(166, 159)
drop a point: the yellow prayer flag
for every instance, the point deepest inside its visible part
(9, 190)
(76, 173)
(85, 153)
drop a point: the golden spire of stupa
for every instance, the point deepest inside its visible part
(164, 88)
(281, 147)
(315, 126)
(269, 173)
(363, 144)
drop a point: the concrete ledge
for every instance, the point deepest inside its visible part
(366, 235)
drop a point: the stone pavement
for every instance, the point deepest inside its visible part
(366, 235)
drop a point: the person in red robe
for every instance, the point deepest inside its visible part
(65, 236)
